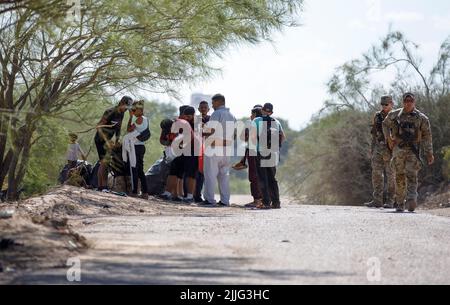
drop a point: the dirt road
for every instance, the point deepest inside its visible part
(294, 245)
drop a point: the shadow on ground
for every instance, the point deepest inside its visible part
(173, 270)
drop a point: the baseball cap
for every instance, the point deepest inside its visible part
(409, 94)
(386, 99)
(268, 107)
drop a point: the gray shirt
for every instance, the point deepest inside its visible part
(73, 151)
(221, 116)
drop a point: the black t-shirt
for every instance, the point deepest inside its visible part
(114, 117)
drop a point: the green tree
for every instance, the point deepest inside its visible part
(49, 63)
(330, 161)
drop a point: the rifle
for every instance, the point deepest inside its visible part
(408, 141)
(408, 138)
(416, 152)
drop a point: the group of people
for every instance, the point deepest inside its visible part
(200, 149)
(211, 145)
(397, 139)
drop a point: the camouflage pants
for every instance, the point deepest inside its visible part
(381, 169)
(407, 168)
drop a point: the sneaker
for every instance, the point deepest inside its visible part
(198, 200)
(177, 199)
(240, 166)
(206, 204)
(253, 204)
(400, 208)
(388, 205)
(188, 200)
(133, 195)
(221, 204)
(164, 197)
(373, 205)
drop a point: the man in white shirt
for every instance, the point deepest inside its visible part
(219, 147)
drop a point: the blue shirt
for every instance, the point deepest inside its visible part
(262, 132)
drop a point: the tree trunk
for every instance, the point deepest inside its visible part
(4, 160)
(4, 167)
(19, 161)
(12, 182)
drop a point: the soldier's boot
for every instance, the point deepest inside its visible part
(400, 207)
(373, 204)
(411, 205)
(389, 205)
(390, 202)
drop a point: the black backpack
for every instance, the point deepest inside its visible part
(166, 129)
(272, 131)
(145, 135)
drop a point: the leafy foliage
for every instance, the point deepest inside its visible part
(330, 162)
(50, 63)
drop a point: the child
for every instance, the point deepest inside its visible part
(74, 150)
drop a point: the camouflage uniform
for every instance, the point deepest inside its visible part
(409, 131)
(381, 164)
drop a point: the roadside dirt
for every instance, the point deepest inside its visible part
(437, 204)
(42, 234)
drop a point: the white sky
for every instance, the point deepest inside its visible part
(293, 72)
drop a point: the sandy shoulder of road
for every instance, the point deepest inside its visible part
(42, 232)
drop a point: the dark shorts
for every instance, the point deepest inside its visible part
(184, 167)
(190, 166)
(101, 150)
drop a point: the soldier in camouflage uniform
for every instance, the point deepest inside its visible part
(406, 130)
(381, 160)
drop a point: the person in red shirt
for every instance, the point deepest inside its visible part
(186, 162)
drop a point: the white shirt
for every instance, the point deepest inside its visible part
(73, 151)
(140, 128)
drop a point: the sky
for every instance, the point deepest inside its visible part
(293, 71)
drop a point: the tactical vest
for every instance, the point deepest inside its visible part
(408, 131)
